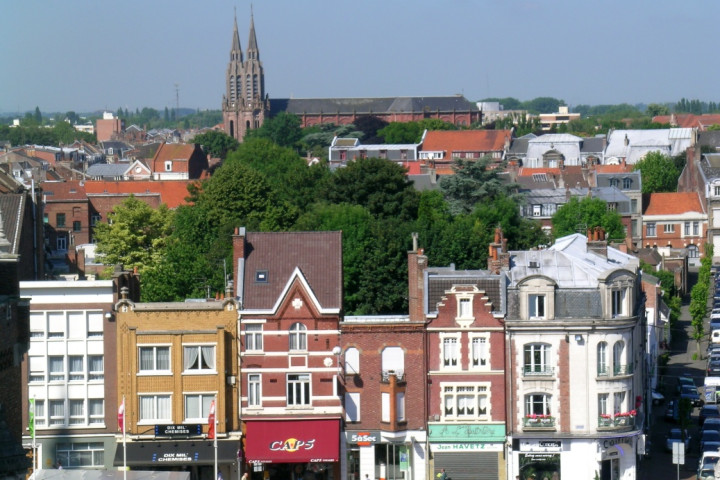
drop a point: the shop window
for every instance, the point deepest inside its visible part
(80, 455)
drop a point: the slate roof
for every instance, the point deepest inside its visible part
(568, 263)
(299, 106)
(466, 140)
(12, 206)
(318, 256)
(110, 170)
(593, 145)
(532, 178)
(709, 139)
(442, 279)
(672, 141)
(673, 203)
(171, 192)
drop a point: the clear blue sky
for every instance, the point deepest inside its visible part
(87, 55)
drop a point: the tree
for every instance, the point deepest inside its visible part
(38, 116)
(377, 184)
(215, 143)
(134, 235)
(472, 182)
(401, 132)
(659, 173)
(654, 110)
(577, 216)
(370, 125)
(283, 129)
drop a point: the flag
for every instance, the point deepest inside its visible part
(31, 417)
(211, 420)
(121, 416)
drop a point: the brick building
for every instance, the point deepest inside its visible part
(289, 286)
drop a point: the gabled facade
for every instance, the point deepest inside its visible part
(676, 220)
(574, 340)
(442, 147)
(289, 287)
(178, 161)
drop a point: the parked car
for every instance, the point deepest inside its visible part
(685, 380)
(710, 446)
(708, 411)
(709, 436)
(712, 423)
(657, 397)
(706, 474)
(670, 411)
(691, 393)
(676, 435)
(713, 369)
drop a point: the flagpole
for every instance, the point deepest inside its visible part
(34, 447)
(124, 442)
(215, 439)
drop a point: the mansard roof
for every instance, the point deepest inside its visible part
(442, 279)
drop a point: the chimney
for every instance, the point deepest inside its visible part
(596, 242)
(238, 266)
(498, 256)
(417, 264)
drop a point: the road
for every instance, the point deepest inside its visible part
(683, 349)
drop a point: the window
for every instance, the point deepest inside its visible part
(298, 389)
(77, 226)
(57, 412)
(96, 367)
(76, 367)
(393, 360)
(450, 352)
(634, 227)
(696, 228)
(199, 358)
(693, 251)
(95, 325)
(536, 359)
(197, 407)
(536, 210)
(669, 228)
(39, 412)
(261, 276)
(537, 404)
(60, 220)
(650, 229)
(400, 406)
(352, 407)
(96, 409)
(618, 303)
(479, 352)
(612, 206)
(603, 404)
(352, 361)
(717, 191)
(95, 218)
(168, 165)
(81, 454)
(56, 367)
(465, 308)
(153, 359)
(254, 390)
(614, 182)
(155, 408)
(619, 402)
(536, 306)
(687, 228)
(385, 407)
(602, 366)
(46, 219)
(61, 243)
(37, 368)
(77, 412)
(627, 183)
(465, 400)
(298, 337)
(253, 337)
(634, 205)
(56, 325)
(619, 367)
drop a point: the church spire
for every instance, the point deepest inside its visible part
(252, 51)
(236, 54)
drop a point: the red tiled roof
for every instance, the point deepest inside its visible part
(172, 192)
(64, 191)
(529, 171)
(413, 168)
(177, 152)
(318, 255)
(613, 168)
(689, 120)
(465, 140)
(673, 203)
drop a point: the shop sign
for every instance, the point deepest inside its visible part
(175, 457)
(466, 447)
(178, 430)
(611, 442)
(467, 433)
(364, 438)
(540, 446)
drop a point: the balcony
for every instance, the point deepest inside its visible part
(618, 422)
(538, 371)
(617, 371)
(387, 375)
(539, 422)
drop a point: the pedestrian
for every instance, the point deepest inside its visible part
(442, 475)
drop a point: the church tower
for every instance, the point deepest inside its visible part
(245, 105)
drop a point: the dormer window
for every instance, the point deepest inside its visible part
(618, 303)
(627, 183)
(465, 307)
(536, 306)
(717, 190)
(261, 276)
(168, 165)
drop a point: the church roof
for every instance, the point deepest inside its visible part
(384, 105)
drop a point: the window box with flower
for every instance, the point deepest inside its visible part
(538, 420)
(625, 418)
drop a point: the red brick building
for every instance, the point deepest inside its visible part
(675, 220)
(289, 286)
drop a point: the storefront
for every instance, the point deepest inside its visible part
(468, 451)
(374, 454)
(194, 456)
(293, 449)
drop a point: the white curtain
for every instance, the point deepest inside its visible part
(191, 356)
(146, 358)
(208, 356)
(163, 358)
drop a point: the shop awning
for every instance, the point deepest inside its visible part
(180, 452)
(292, 441)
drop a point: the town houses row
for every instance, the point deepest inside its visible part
(542, 363)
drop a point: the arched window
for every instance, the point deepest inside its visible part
(693, 251)
(602, 365)
(352, 361)
(619, 368)
(393, 359)
(298, 337)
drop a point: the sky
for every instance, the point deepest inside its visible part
(92, 55)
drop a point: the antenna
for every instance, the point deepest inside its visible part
(177, 100)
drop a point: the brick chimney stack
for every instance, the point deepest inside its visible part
(498, 256)
(238, 266)
(417, 264)
(596, 242)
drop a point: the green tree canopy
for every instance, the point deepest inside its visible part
(659, 173)
(577, 216)
(473, 182)
(134, 235)
(283, 129)
(216, 144)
